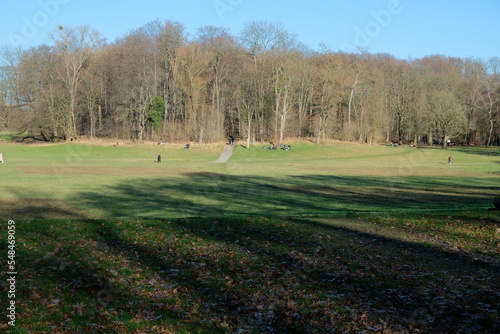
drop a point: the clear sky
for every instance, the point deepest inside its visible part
(403, 28)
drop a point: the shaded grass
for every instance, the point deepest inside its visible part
(208, 194)
(225, 275)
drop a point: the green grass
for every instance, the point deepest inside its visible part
(316, 239)
(219, 275)
(97, 181)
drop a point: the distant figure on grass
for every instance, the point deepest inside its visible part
(159, 158)
(271, 147)
(450, 161)
(187, 146)
(1, 158)
(231, 140)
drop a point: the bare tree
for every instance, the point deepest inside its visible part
(327, 94)
(303, 93)
(170, 38)
(95, 95)
(220, 49)
(133, 76)
(9, 83)
(488, 95)
(401, 97)
(446, 113)
(260, 36)
(192, 78)
(42, 92)
(269, 44)
(283, 98)
(75, 46)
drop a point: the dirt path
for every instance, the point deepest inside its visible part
(225, 155)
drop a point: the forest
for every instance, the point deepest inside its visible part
(158, 82)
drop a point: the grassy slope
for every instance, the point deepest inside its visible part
(315, 239)
(308, 180)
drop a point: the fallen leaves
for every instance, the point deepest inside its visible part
(249, 275)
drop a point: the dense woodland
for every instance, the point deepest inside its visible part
(156, 83)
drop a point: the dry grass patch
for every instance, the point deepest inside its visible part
(369, 170)
(115, 171)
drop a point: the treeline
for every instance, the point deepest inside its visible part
(156, 83)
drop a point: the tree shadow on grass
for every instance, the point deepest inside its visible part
(268, 274)
(212, 194)
(273, 276)
(276, 276)
(36, 208)
(410, 183)
(486, 151)
(73, 286)
(382, 276)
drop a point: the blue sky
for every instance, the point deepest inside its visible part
(403, 28)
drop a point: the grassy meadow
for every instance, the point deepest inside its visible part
(89, 181)
(334, 238)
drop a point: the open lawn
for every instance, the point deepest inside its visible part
(75, 180)
(330, 238)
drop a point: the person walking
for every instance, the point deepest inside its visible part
(450, 161)
(159, 158)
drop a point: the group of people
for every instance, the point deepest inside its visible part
(282, 146)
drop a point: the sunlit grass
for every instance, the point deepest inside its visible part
(313, 180)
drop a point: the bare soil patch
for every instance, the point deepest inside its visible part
(118, 171)
(360, 170)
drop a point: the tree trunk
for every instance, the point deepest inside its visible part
(490, 134)
(445, 141)
(351, 98)
(249, 128)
